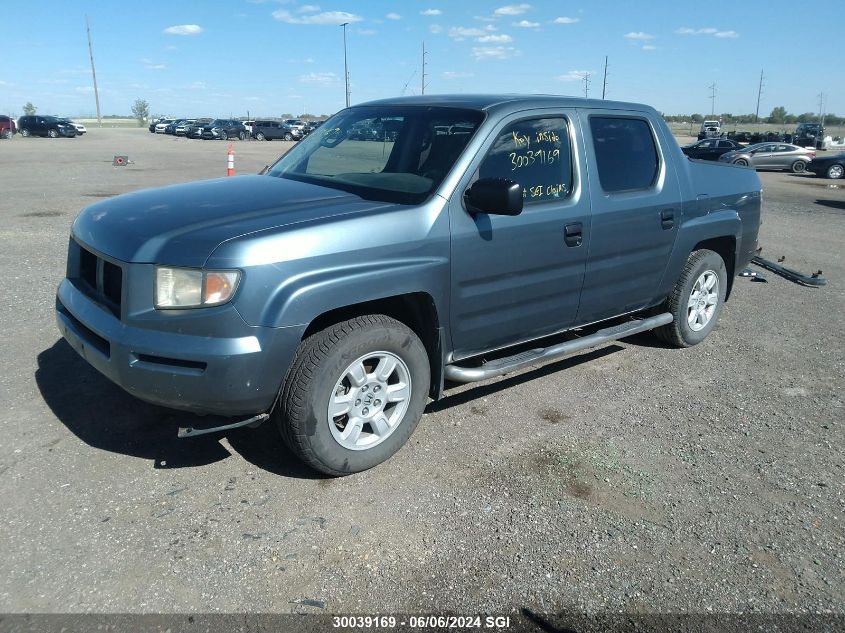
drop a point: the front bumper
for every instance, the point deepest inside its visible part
(239, 375)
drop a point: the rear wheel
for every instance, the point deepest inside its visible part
(696, 301)
(52, 133)
(224, 136)
(241, 135)
(7, 134)
(799, 166)
(741, 161)
(835, 172)
(354, 394)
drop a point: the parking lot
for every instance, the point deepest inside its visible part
(634, 477)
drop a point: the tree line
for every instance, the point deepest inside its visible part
(778, 116)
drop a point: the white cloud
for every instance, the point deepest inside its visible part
(481, 53)
(565, 20)
(327, 17)
(308, 8)
(198, 85)
(366, 31)
(319, 79)
(435, 28)
(453, 74)
(183, 29)
(495, 39)
(525, 24)
(431, 12)
(512, 9)
(393, 16)
(574, 75)
(639, 36)
(461, 32)
(649, 47)
(729, 34)
(151, 65)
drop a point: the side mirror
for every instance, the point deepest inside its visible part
(496, 196)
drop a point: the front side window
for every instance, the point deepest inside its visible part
(535, 153)
(626, 155)
(388, 153)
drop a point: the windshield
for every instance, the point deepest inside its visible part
(389, 153)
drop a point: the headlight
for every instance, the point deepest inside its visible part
(193, 287)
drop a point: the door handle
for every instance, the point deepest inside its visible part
(667, 218)
(573, 234)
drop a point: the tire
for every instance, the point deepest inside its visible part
(259, 136)
(52, 134)
(241, 136)
(835, 172)
(288, 136)
(321, 368)
(702, 266)
(799, 167)
(741, 161)
(224, 136)
(7, 134)
(24, 132)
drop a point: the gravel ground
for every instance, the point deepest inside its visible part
(632, 478)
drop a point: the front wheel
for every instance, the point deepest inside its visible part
(288, 136)
(52, 134)
(835, 172)
(7, 134)
(741, 161)
(354, 394)
(259, 137)
(241, 136)
(696, 301)
(799, 166)
(24, 132)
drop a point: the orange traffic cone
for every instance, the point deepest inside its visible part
(230, 165)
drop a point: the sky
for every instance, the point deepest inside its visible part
(268, 57)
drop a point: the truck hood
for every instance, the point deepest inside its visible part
(181, 225)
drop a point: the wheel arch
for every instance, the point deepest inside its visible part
(725, 247)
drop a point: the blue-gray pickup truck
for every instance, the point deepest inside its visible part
(467, 237)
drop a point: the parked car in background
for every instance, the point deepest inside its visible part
(297, 123)
(153, 123)
(182, 128)
(771, 156)
(710, 148)
(195, 129)
(248, 125)
(170, 128)
(7, 127)
(80, 129)
(224, 129)
(310, 126)
(710, 129)
(808, 135)
(269, 130)
(161, 126)
(828, 166)
(38, 125)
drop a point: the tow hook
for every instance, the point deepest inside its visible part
(253, 422)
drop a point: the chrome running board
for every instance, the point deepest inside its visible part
(502, 366)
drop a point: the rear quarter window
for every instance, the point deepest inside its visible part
(626, 155)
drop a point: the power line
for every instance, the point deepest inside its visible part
(712, 88)
(423, 83)
(586, 85)
(345, 65)
(93, 72)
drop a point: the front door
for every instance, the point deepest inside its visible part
(518, 278)
(636, 211)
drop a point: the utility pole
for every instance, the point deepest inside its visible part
(604, 83)
(712, 99)
(821, 108)
(586, 85)
(93, 73)
(759, 93)
(422, 86)
(345, 65)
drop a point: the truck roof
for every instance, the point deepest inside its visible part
(495, 101)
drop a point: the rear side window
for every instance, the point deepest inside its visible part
(626, 155)
(536, 154)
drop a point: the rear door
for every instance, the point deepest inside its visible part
(637, 207)
(516, 278)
